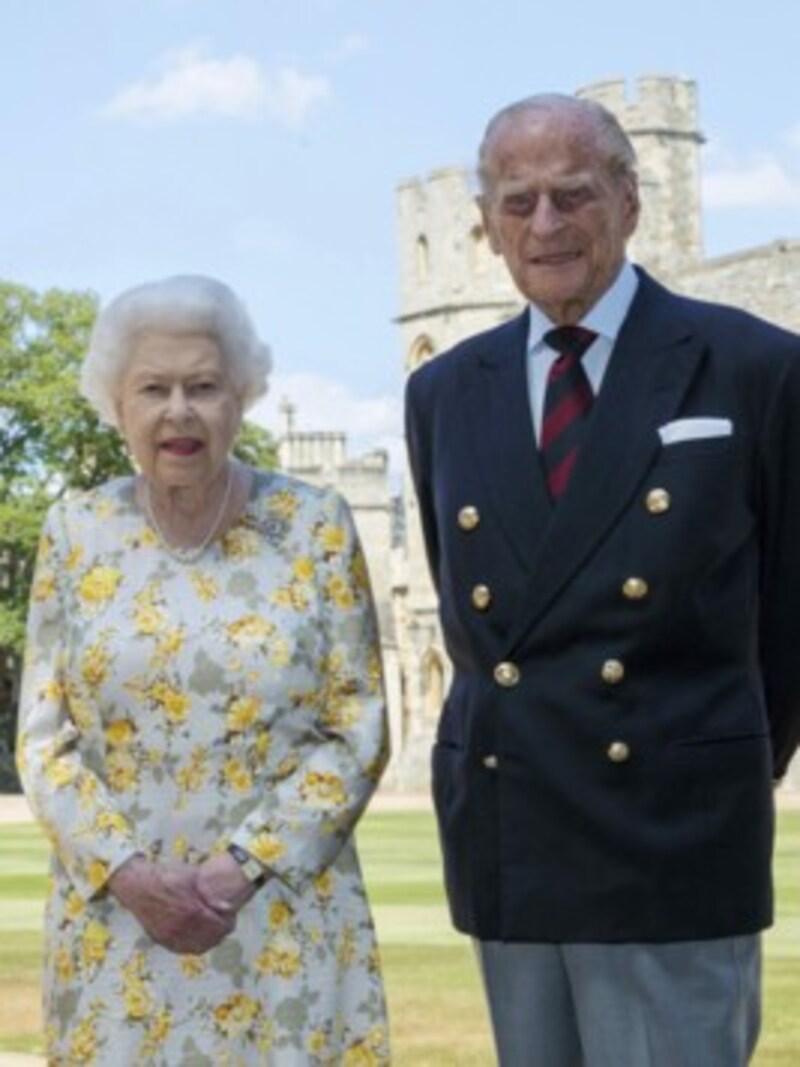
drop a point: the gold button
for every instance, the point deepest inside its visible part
(469, 517)
(481, 597)
(618, 752)
(635, 588)
(506, 674)
(657, 501)
(612, 671)
(491, 763)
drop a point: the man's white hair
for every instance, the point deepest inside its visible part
(182, 304)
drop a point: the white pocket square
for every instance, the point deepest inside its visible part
(694, 429)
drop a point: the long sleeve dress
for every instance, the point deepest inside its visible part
(171, 708)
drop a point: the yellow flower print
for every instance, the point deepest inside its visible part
(121, 771)
(323, 789)
(138, 1000)
(64, 967)
(80, 709)
(45, 550)
(53, 690)
(292, 596)
(323, 885)
(235, 1015)
(97, 871)
(104, 509)
(110, 822)
(236, 775)
(361, 1055)
(87, 789)
(83, 1043)
(74, 906)
(173, 702)
(303, 568)
(317, 1043)
(99, 584)
(120, 732)
(249, 629)
(159, 1028)
(44, 587)
(332, 538)
(94, 943)
(142, 538)
(94, 664)
(148, 619)
(74, 558)
(267, 848)
(205, 586)
(192, 966)
(279, 654)
(193, 775)
(240, 542)
(60, 772)
(281, 958)
(346, 949)
(340, 593)
(283, 504)
(262, 746)
(169, 644)
(279, 913)
(242, 713)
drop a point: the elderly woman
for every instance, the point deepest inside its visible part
(202, 723)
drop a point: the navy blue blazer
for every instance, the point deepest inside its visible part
(627, 664)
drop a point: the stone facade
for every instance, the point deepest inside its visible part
(451, 286)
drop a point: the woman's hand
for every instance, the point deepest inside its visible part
(167, 901)
(222, 884)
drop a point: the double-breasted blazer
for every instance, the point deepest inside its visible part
(626, 679)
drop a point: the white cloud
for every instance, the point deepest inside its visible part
(323, 404)
(190, 83)
(764, 183)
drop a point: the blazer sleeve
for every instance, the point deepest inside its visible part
(780, 588)
(306, 816)
(89, 835)
(418, 418)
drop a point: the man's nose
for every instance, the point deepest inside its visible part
(545, 217)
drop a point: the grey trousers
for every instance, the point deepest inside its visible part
(684, 1004)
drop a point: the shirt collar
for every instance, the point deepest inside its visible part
(605, 318)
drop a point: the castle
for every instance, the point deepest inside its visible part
(452, 286)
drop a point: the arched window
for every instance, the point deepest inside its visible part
(432, 685)
(420, 352)
(477, 249)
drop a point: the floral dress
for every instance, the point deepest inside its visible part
(172, 708)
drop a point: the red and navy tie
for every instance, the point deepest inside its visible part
(567, 400)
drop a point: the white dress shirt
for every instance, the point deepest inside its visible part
(605, 319)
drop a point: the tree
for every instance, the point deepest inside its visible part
(50, 441)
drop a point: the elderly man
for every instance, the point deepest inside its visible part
(609, 488)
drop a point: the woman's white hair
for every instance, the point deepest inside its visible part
(185, 303)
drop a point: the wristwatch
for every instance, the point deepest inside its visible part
(250, 867)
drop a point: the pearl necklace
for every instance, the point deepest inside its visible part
(188, 555)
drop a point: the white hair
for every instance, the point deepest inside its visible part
(185, 303)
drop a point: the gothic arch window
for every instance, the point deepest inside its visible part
(422, 257)
(432, 685)
(420, 352)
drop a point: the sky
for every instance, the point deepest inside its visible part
(262, 142)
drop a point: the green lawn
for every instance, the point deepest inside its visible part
(438, 1017)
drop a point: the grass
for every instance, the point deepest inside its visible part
(437, 1011)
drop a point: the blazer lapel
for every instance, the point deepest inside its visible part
(652, 365)
(497, 410)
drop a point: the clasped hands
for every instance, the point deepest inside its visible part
(183, 908)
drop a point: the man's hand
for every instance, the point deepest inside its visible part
(166, 900)
(222, 884)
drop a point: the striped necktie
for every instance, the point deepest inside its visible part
(567, 400)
